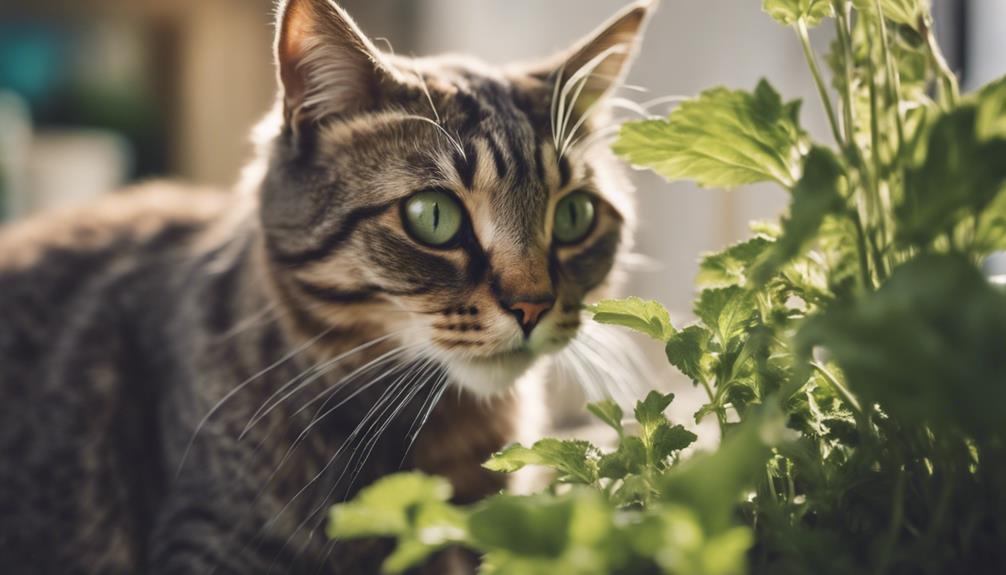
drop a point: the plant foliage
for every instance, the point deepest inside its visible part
(854, 356)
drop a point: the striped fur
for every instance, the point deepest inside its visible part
(189, 379)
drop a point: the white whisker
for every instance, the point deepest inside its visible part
(241, 386)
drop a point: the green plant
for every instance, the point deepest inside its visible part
(853, 356)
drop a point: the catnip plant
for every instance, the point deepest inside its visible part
(852, 354)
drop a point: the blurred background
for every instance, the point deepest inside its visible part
(96, 94)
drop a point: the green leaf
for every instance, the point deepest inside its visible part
(722, 139)
(725, 311)
(991, 120)
(629, 458)
(609, 412)
(960, 176)
(384, 507)
(688, 350)
(649, 411)
(905, 12)
(535, 526)
(817, 195)
(789, 11)
(928, 346)
(730, 266)
(575, 460)
(712, 483)
(669, 439)
(644, 316)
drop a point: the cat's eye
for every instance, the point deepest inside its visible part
(574, 217)
(432, 217)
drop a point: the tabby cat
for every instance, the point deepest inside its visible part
(189, 379)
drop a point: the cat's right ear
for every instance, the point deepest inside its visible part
(326, 65)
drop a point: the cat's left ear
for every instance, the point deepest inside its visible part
(598, 63)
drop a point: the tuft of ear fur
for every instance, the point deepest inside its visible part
(588, 72)
(326, 65)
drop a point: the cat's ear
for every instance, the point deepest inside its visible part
(326, 65)
(598, 63)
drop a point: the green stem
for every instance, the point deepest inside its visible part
(864, 262)
(951, 92)
(842, 28)
(808, 52)
(843, 391)
(897, 517)
(893, 79)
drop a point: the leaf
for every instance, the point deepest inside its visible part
(629, 458)
(789, 11)
(536, 525)
(609, 412)
(573, 459)
(817, 195)
(905, 12)
(688, 351)
(991, 119)
(383, 508)
(961, 175)
(409, 506)
(725, 311)
(712, 483)
(730, 266)
(644, 316)
(668, 439)
(649, 411)
(928, 346)
(722, 139)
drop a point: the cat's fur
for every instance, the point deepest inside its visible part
(181, 388)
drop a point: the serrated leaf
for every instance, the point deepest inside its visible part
(645, 316)
(725, 311)
(817, 195)
(629, 458)
(789, 11)
(668, 439)
(609, 412)
(723, 138)
(649, 411)
(574, 459)
(960, 176)
(688, 351)
(730, 266)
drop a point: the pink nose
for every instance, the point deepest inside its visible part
(529, 313)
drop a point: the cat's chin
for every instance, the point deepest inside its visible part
(493, 375)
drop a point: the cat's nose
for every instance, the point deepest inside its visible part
(529, 310)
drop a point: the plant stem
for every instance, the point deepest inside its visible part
(950, 90)
(864, 261)
(808, 52)
(893, 79)
(841, 389)
(897, 516)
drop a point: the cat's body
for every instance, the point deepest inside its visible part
(104, 312)
(189, 379)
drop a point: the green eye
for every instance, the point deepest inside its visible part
(432, 217)
(574, 217)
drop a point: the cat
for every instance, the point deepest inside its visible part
(190, 378)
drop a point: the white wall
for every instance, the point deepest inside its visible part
(691, 45)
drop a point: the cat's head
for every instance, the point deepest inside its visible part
(470, 210)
